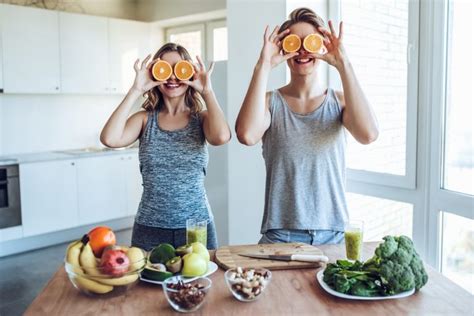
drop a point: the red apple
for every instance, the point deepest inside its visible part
(114, 262)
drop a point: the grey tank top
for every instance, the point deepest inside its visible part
(173, 165)
(305, 167)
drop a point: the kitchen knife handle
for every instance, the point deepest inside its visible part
(310, 258)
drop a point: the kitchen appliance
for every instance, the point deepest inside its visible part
(10, 205)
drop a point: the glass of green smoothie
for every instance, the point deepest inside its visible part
(196, 231)
(353, 236)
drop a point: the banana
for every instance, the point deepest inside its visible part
(73, 254)
(136, 256)
(127, 279)
(92, 286)
(88, 261)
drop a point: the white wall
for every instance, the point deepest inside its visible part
(246, 20)
(33, 123)
(148, 10)
(123, 9)
(217, 172)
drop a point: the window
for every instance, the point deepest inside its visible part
(376, 38)
(191, 37)
(208, 40)
(381, 217)
(458, 138)
(458, 250)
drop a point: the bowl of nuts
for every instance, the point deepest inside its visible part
(184, 295)
(247, 284)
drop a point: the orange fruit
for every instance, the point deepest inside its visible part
(291, 43)
(312, 43)
(161, 70)
(100, 238)
(183, 70)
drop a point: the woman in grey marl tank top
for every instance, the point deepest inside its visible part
(172, 130)
(301, 126)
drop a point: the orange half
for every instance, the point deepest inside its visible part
(183, 70)
(291, 43)
(161, 70)
(312, 43)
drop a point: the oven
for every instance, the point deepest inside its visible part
(10, 205)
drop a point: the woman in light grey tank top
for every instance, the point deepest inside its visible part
(302, 128)
(173, 131)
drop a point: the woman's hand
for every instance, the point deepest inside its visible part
(202, 77)
(271, 50)
(336, 54)
(143, 78)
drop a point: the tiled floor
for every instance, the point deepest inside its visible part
(23, 276)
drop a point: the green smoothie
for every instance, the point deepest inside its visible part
(197, 234)
(353, 244)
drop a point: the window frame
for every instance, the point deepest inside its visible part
(189, 28)
(207, 35)
(210, 26)
(407, 181)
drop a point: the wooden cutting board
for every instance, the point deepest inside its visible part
(227, 257)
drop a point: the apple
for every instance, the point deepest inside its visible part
(194, 265)
(114, 262)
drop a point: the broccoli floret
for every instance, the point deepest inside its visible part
(397, 277)
(387, 248)
(419, 272)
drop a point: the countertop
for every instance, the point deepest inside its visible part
(291, 292)
(64, 155)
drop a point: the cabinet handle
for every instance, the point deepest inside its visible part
(73, 164)
(57, 88)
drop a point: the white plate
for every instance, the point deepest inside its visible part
(328, 289)
(211, 268)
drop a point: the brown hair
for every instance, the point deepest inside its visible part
(154, 97)
(303, 15)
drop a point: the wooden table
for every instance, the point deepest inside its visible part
(291, 292)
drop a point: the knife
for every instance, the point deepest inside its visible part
(296, 257)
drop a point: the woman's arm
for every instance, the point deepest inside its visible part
(254, 116)
(120, 130)
(216, 129)
(357, 116)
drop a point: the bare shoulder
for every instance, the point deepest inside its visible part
(340, 97)
(140, 116)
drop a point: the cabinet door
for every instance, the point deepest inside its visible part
(84, 49)
(1, 50)
(101, 189)
(128, 40)
(133, 183)
(48, 196)
(30, 50)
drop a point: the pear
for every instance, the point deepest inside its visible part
(201, 250)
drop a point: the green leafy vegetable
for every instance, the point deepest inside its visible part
(395, 267)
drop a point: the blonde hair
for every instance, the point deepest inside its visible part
(303, 15)
(154, 97)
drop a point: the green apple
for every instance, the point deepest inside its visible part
(193, 265)
(201, 250)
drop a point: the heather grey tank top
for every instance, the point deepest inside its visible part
(305, 163)
(173, 166)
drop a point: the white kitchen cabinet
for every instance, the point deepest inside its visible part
(133, 182)
(101, 189)
(1, 50)
(84, 54)
(48, 196)
(128, 40)
(30, 42)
